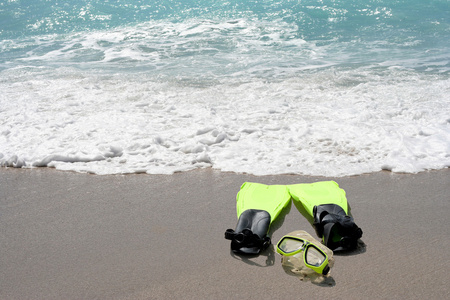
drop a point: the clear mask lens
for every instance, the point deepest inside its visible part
(314, 257)
(288, 245)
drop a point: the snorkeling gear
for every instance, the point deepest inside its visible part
(327, 209)
(257, 206)
(313, 257)
(250, 235)
(339, 230)
(299, 250)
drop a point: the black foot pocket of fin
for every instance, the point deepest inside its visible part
(250, 235)
(338, 230)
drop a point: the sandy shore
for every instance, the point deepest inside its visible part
(76, 236)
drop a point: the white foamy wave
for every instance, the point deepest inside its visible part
(324, 122)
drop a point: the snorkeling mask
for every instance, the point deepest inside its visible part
(304, 249)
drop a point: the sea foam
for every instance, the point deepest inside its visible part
(328, 122)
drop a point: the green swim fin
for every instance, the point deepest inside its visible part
(257, 205)
(328, 210)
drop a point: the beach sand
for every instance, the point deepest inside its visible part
(66, 235)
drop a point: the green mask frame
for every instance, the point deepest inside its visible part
(313, 256)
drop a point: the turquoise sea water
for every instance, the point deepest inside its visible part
(416, 33)
(313, 87)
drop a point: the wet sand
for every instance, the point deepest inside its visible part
(66, 235)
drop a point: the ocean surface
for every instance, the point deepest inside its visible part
(329, 88)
